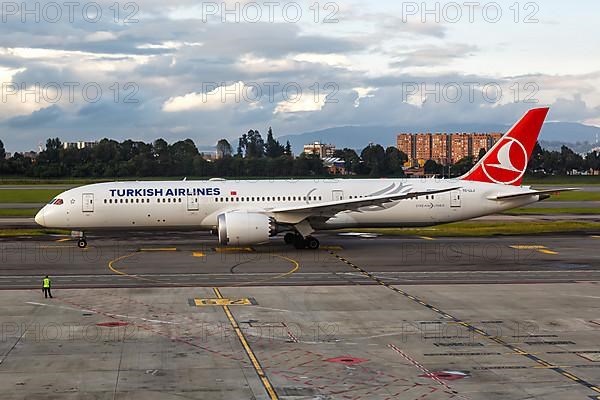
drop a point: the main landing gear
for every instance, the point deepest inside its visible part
(301, 242)
(289, 237)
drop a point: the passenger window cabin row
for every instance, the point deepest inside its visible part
(236, 199)
(232, 199)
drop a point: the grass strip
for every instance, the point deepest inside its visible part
(478, 229)
(552, 211)
(18, 212)
(28, 196)
(32, 232)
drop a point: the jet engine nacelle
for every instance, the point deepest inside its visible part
(240, 228)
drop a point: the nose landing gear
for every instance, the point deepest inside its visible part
(81, 241)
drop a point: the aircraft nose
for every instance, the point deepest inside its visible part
(39, 217)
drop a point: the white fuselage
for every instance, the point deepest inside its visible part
(195, 205)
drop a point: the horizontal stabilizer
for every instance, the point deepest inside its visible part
(530, 193)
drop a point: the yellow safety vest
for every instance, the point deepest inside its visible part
(46, 282)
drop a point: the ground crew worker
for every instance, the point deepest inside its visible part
(46, 284)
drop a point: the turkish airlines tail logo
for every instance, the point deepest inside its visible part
(507, 160)
(504, 158)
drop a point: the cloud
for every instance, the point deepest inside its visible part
(213, 99)
(101, 36)
(333, 60)
(170, 45)
(434, 55)
(302, 103)
(574, 109)
(188, 74)
(362, 93)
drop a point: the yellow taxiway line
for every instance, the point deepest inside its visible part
(425, 238)
(536, 247)
(253, 359)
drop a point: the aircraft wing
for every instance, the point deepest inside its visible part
(331, 208)
(507, 196)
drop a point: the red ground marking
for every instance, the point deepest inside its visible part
(113, 324)
(347, 360)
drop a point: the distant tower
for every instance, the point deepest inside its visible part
(40, 148)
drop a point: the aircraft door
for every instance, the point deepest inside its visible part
(337, 195)
(455, 198)
(88, 202)
(193, 203)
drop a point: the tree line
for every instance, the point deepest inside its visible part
(129, 158)
(253, 157)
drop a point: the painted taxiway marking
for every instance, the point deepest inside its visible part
(233, 249)
(425, 237)
(157, 321)
(35, 303)
(473, 328)
(421, 368)
(111, 266)
(255, 363)
(546, 251)
(538, 248)
(221, 301)
(198, 254)
(160, 249)
(527, 246)
(62, 240)
(118, 272)
(278, 276)
(332, 248)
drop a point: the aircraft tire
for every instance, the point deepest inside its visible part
(299, 242)
(288, 238)
(312, 243)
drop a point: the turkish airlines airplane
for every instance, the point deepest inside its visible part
(250, 212)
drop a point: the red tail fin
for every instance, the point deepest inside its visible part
(507, 160)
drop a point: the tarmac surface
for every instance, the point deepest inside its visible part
(173, 315)
(195, 259)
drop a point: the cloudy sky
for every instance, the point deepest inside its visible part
(145, 70)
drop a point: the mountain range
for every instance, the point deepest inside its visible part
(582, 138)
